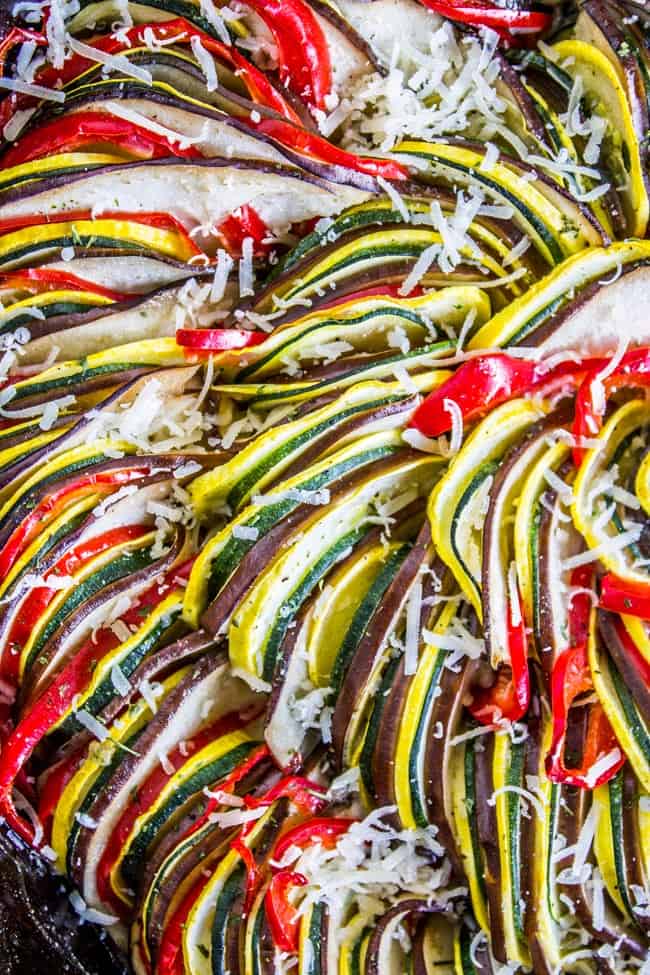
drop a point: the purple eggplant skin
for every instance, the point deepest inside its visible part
(512, 80)
(22, 464)
(632, 678)
(365, 654)
(39, 187)
(412, 906)
(573, 809)
(488, 834)
(547, 647)
(159, 665)
(160, 467)
(333, 173)
(632, 841)
(31, 687)
(39, 931)
(147, 740)
(492, 533)
(529, 895)
(258, 556)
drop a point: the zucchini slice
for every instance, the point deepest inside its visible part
(458, 504)
(601, 520)
(607, 97)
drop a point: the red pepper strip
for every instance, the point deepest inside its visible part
(591, 398)
(260, 88)
(18, 35)
(253, 873)
(304, 793)
(102, 482)
(40, 597)
(625, 596)
(58, 698)
(482, 383)
(55, 783)
(325, 831)
(509, 696)
(228, 785)
(217, 339)
(305, 66)
(314, 146)
(170, 956)
(84, 129)
(301, 793)
(44, 714)
(146, 796)
(38, 280)
(282, 916)
(580, 603)
(571, 677)
(242, 223)
(477, 13)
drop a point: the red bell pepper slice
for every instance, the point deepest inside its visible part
(40, 597)
(57, 779)
(170, 956)
(304, 59)
(325, 830)
(487, 381)
(509, 696)
(282, 916)
(228, 784)
(92, 129)
(38, 279)
(625, 596)
(592, 395)
(242, 223)
(41, 718)
(146, 795)
(307, 795)
(58, 698)
(481, 13)
(580, 604)
(100, 482)
(217, 339)
(253, 872)
(16, 36)
(571, 677)
(260, 88)
(316, 147)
